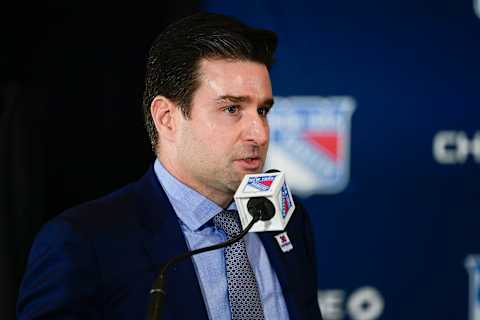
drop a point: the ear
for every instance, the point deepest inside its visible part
(163, 112)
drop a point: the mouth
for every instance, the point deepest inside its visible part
(250, 163)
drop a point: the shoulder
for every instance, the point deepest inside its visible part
(106, 212)
(84, 222)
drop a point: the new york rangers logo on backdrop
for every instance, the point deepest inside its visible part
(310, 141)
(472, 263)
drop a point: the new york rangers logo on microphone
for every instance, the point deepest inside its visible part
(285, 200)
(272, 190)
(310, 139)
(259, 183)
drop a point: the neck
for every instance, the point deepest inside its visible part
(220, 197)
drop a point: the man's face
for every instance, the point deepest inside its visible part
(227, 133)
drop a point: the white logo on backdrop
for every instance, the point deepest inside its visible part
(476, 7)
(364, 303)
(472, 263)
(454, 147)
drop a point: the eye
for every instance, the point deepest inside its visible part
(231, 109)
(263, 111)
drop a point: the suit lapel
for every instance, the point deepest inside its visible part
(284, 265)
(164, 239)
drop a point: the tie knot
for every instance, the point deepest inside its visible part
(228, 221)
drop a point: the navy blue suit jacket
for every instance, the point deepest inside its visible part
(98, 261)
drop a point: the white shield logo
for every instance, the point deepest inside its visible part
(310, 141)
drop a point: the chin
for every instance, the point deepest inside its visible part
(236, 180)
(237, 175)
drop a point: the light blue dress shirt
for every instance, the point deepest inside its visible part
(194, 212)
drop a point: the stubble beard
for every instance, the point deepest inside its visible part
(230, 179)
(233, 178)
(225, 177)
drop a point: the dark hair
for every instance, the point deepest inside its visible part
(173, 64)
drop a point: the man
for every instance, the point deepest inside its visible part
(206, 102)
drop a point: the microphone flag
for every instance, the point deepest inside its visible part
(271, 186)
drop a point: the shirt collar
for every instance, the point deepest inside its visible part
(191, 207)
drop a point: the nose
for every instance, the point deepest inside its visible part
(257, 129)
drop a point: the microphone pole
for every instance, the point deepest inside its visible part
(260, 208)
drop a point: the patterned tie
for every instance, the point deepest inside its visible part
(245, 302)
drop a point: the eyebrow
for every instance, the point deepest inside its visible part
(237, 99)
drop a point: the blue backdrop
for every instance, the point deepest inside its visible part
(392, 243)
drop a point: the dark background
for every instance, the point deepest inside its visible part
(71, 129)
(71, 123)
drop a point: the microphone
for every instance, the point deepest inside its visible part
(269, 191)
(259, 208)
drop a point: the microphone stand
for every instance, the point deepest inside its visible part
(158, 292)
